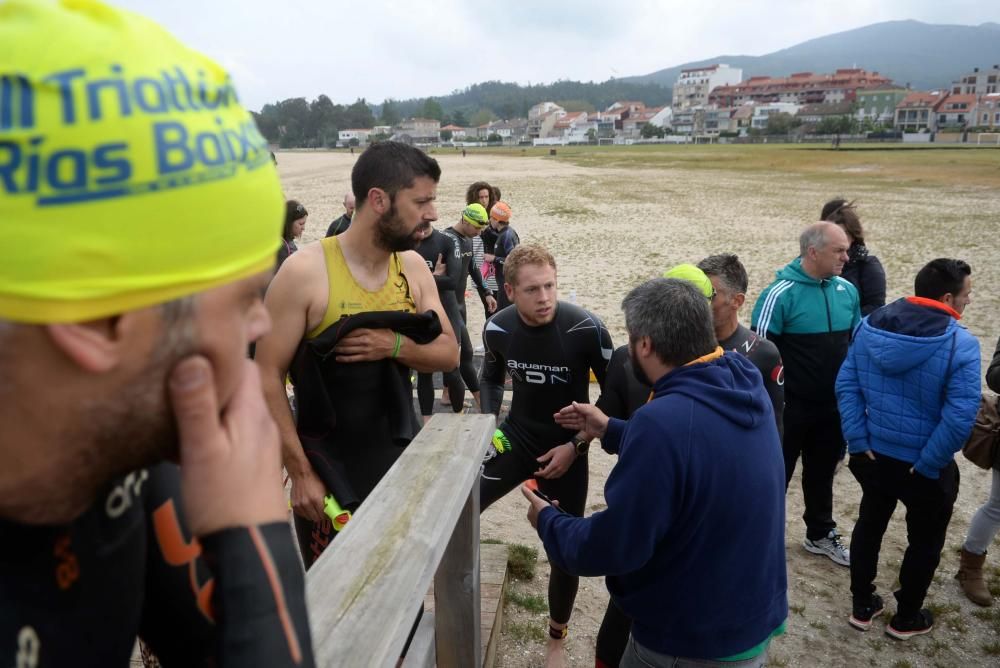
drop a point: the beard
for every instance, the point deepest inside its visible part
(137, 428)
(391, 234)
(637, 371)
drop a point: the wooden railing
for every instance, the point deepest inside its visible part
(420, 523)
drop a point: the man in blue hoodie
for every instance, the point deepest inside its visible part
(809, 313)
(908, 393)
(673, 538)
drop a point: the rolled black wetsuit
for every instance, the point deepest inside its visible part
(550, 368)
(434, 246)
(507, 241)
(79, 594)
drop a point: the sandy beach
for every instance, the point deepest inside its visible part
(611, 227)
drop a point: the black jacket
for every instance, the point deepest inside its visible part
(355, 419)
(865, 272)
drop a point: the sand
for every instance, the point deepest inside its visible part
(612, 227)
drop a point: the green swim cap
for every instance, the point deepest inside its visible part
(475, 215)
(130, 175)
(691, 273)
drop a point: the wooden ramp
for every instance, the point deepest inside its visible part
(493, 586)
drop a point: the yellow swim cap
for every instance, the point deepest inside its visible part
(129, 173)
(692, 274)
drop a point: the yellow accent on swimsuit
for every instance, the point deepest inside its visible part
(348, 298)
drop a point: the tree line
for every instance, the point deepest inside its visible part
(299, 123)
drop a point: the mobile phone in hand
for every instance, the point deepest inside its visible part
(544, 497)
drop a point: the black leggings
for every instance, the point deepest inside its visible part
(425, 392)
(612, 636)
(465, 376)
(503, 472)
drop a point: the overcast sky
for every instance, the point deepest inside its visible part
(408, 48)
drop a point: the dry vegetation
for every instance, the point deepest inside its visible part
(616, 216)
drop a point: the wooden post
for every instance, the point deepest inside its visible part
(456, 592)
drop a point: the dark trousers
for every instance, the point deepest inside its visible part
(814, 434)
(503, 472)
(612, 637)
(885, 481)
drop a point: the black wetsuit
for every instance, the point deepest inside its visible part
(550, 368)
(339, 226)
(765, 356)
(79, 594)
(462, 249)
(506, 242)
(434, 246)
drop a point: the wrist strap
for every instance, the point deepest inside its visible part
(399, 344)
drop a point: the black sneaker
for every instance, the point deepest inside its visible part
(903, 628)
(863, 615)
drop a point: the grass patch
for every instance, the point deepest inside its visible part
(932, 648)
(524, 632)
(798, 609)
(491, 541)
(821, 626)
(522, 560)
(943, 609)
(993, 648)
(528, 602)
(570, 211)
(902, 663)
(778, 663)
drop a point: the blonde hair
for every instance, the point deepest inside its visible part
(525, 254)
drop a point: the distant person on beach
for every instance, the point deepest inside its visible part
(548, 348)
(908, 394)
(486, 195)
(352, 315)
(985, 523)
(295, 224)
(506, 241)
(140, 473)
(340, 225)
(674, 539)
(809, 313)
(863, 270)
(448, 255)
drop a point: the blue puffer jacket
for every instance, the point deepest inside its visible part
(910, 388)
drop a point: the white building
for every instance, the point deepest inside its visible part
(344, 137)
(542, 109)
(694, 85)
(762, 112)
(978, 82)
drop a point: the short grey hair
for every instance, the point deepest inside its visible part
(675, 316)
(814, 236)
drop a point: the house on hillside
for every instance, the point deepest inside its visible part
(988, 112)
(719, 120)
(811, 114)
(957, 112)
(918, 112)
(763, 112)
(694, 85)
(353, 137)
(878, 104)
(978, 83)
(799, 88)
(420, 130)
(458, 133)
(542, 109)
(542, 127)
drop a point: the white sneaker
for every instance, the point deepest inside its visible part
(831, 547)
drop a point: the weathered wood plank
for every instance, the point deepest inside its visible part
(421, 651)
(363, 590)
(456, 591)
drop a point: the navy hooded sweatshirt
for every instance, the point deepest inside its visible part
(693, 538)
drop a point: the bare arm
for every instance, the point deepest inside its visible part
(441, 354)
(288, 305)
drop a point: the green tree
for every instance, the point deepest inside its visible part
(781, 124)
(390, 113)
(358, 115)
(577, 105)
(458, 118)
(482, 117)
(494, 138)
(446, 135)
(649, 131)
(592, 136)
(432, 109)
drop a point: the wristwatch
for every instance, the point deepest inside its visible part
(581, 445)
